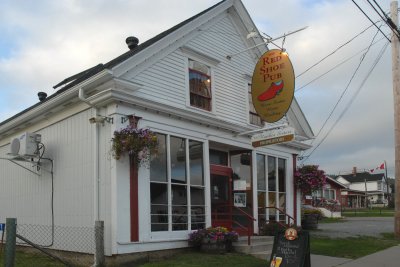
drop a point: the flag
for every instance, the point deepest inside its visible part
(380, 167)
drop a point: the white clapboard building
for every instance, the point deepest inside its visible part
(190, 85)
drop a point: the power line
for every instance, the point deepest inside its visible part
(385, 18)
(352, 99)
(336, 66)
(334, 51)
(371, 20)
(347, 86)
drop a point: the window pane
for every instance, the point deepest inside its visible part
(271, 201)
(218, 157)
(261, 172)
(196, 163)
(178, 160)
(158, 164)
(200, 85)
(159, 207)
(197, 196)
(271, 174)
(179, 196)
(159, 193)
(282, 174)
(179, 218)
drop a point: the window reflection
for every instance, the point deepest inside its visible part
(178, 160)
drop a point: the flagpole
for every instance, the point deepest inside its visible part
(387, 184)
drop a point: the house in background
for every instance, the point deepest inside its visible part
(186, 86)
(328, 198)
(364, 188)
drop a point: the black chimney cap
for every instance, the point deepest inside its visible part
(132, 42)
(42, 96)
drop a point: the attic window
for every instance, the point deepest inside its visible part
(200, 85)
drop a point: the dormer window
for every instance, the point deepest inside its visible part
(200, 85)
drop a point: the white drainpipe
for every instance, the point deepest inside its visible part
(96, 179)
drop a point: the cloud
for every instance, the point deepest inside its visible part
(44, 42)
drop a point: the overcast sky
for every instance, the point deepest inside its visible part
(44, 41)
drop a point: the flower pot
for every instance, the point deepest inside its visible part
(309, 222)
(213, 246)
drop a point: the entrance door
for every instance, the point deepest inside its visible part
(221, 196)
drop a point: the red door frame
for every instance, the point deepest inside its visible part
(223, 171)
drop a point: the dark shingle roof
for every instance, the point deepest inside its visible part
(86, 74)
(363, 176)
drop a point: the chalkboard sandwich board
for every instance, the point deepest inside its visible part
(291, 249)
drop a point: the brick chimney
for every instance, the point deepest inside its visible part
(354, 172)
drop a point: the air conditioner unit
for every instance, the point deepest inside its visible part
(25, 145)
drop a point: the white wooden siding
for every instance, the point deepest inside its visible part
(165, 81)
(26, 196)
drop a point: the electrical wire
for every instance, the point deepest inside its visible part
(305, 158)
(370, 20)
(334, 51)
(336, 66)
(385, 18)
(347, 86)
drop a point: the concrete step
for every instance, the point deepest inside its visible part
(260, 246)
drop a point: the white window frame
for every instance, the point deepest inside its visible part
(192, 54)
(161, 235)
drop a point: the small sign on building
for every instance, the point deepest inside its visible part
(273, 137)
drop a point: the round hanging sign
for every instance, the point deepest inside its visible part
(272, 88)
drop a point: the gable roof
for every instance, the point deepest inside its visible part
(118, 65)
(362, 177)
(90, 72)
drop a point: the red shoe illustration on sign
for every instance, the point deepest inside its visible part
(272, 91)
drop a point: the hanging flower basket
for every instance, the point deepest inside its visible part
(309, 178)
(137, 143)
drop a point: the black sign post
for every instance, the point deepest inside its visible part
(291, 253)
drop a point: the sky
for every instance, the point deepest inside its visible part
(45, 41)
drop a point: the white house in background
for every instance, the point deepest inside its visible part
(373, 185)
(201, 148)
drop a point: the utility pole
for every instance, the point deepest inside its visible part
(396, 99)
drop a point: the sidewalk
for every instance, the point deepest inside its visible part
(386, 258)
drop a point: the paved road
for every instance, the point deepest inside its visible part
(356, 226)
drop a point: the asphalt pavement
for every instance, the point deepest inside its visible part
(353, 227)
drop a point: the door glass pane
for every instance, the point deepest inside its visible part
(219, 188)
(178, 160)
(196, 163)
(271, 174)
(158, 161)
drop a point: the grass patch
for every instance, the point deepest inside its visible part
(198, 259)
(352, 247)
(374, 212)
(24, 259)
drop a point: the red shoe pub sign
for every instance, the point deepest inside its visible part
(272, 86)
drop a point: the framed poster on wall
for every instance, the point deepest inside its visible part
(239, 199)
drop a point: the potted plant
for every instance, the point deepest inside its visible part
(213, 239)
(310, 218)
(137, 143)
(309, 178)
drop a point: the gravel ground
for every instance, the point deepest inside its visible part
(356, 226)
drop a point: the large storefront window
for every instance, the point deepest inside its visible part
(271, 188)
(177, 185)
